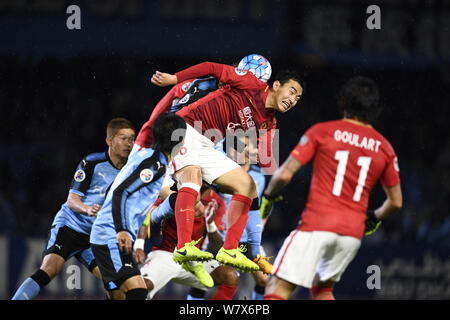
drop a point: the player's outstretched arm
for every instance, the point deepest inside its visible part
(74, 202)
(281, 178)
(393, 203)
(163, 79)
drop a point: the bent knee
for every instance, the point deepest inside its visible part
(189, 174)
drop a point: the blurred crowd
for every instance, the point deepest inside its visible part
(54, 112)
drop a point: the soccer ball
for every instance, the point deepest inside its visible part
(256, 64)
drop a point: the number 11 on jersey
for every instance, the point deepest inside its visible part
(363, 162)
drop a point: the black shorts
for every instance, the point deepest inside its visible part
(67, 243)
(115, 266)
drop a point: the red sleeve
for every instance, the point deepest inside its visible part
(222, 72)
(391, 176)
(145, 137)
(307, 146)
(165, 103)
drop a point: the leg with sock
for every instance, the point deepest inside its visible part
(184, 216)
(31, 287)
(185, 212)
(236, 220)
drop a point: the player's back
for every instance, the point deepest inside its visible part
(348, 161)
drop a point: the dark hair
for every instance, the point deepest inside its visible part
(163, 128)
(114, 125)
(358, 98)
(284, 76)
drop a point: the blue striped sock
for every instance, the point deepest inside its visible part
(27, 291)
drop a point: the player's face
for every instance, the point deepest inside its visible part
(287, 95)
(123, 142)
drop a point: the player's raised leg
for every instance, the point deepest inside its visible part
(244, 191)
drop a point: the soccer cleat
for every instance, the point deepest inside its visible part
(236, 259)
(263, 263)
(200, 273)
(191, 253)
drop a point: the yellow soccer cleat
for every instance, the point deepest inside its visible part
(235, 258)
(200, 273)
(191, 253)
(263, 263)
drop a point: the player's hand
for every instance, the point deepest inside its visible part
(162, 79)
(125, 243)
(92, 210)
(266, 206)
(372, 223)
(139, 256)
(211, 210)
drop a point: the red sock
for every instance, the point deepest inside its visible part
(322, 293)
(236, 220)
(184, 214)
(224, 292)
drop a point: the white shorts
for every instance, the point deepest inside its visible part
(198, 150)
(160, 268)
(305, 254)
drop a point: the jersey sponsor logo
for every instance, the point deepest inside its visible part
(232, 126)
(146, 175)
(303, 140)
(240, 72)
(354, 139)
(79, 176)
(396, 167)
(246, 117)
(185, 98)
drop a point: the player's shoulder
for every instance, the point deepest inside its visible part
(322, 126)
(96, 157)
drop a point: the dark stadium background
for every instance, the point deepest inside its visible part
(59, 88)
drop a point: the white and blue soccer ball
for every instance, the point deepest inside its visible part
(256, 64)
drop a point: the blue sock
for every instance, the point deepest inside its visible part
(254, 230)
(27, 291)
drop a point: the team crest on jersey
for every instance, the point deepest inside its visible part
(146, 175)
(303, 140)
(185, 86)
(185, 98)
(79, 176)
(240, 72)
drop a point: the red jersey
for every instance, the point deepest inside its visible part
(348, 160)
(240, 103)
(169, 226)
